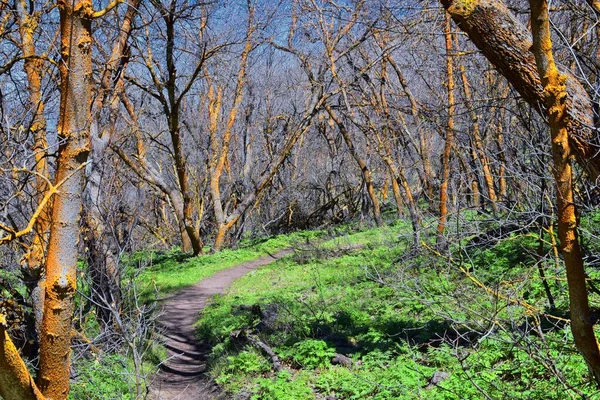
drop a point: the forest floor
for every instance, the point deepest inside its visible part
(183, 375)
(360, 315)
(364, 316)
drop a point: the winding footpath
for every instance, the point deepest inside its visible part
(184, 375)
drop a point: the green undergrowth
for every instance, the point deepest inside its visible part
(416, 325)
(102, 379)
(169, 271)
(113, 376)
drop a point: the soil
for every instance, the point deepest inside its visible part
(184, 375)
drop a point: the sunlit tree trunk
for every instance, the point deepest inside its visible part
(397, 197)
(33, 66)
(61, 261)
(15, 381)
(555, 96)
(220, 149)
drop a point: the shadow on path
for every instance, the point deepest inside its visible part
(183, 376)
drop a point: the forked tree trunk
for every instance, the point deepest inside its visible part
(149, 174)
(61, 261)
(172, 111)
(555, 96)
(220, 151)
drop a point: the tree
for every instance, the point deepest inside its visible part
(219, 149)
(506, 43)
(443, 204)
(171, 88)
(555, 97)
(33, 65)
(61, 258)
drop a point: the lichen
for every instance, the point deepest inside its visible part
(463, 8)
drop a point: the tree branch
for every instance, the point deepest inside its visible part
(107, 9)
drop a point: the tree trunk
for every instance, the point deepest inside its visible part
(172, 112)
(188, 209)
(397, 197)
(555, 95)
(61, 261)
(220, 151)
(443, 201)
(15, 381)
(33, 69)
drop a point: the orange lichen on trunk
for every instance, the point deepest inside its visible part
(33, 66)
(61, 260)
(555, 97)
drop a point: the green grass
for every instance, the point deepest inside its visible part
(401, 319)
(112, 376)
(172, 270)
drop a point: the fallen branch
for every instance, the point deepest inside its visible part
(254, 340)
(244, 336)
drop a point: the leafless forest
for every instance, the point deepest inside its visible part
(148, 124)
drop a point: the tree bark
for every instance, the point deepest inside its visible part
(555, 96)
(33, 69)
(443, 201)
(61, 261)
(172, 112)
(15, 381)
(507, 44)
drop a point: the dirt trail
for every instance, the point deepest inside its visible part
(183, 376)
